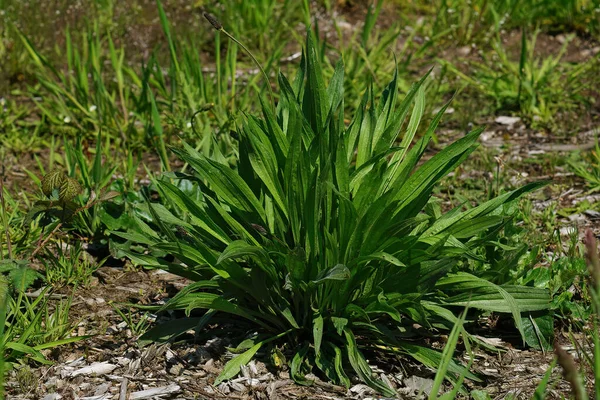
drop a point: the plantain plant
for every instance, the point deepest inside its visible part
(325, 238)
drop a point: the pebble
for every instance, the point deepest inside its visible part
(505, 120)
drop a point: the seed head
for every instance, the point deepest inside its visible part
(570, 372)
(259, 229)
(213, 20)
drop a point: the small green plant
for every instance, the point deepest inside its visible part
(83, 209)
(139, 327)
(26, 324)
(97, 178)
(324, 239)
(26, 380)
(589, 348)
(68, 266)
(587, 167)
(536, 87)
(60, 190)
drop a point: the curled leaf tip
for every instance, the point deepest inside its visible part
(213, 21)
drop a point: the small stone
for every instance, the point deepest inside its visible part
(245, 371)
(416, 384)
(252, 365)
(123, 361)
(98, 368)
(170, 356)
(505, 120)
(75, 363)
(487, 136)
(577, 218)
(283, 375)
(464, 51)
(360, 389)
(51, 381)
(266, 377)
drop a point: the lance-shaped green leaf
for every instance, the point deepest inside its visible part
(240, 249)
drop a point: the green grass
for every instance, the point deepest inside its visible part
(93, 103)
(31, 322)
(587, 166)
(539, 89)
(586, 375)
(92, 79)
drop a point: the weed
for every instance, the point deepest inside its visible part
(26, 323)
(577, 375)
(294, 243)
(137, 328)
(587, 167)
(69, 266)
(26, 379)
(529, 85)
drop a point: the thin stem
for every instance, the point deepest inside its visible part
(255, 62)
(219, 27)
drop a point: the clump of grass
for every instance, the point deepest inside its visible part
(587, 167)
(537, 88)
(324, 240)
(147, 107)
(27, 325)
